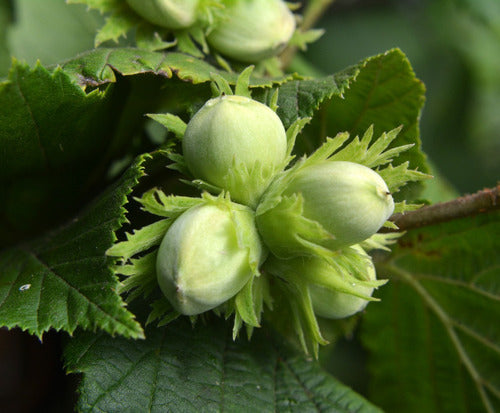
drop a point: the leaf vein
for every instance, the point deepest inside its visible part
(459, 283)
(65, 282)
(12, 284)
(130, 370)
(301, 384)
(156, 371)
(106, 63)
(446, 320)
(98, 227)
(471, 333)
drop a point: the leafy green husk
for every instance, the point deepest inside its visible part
(301, 235)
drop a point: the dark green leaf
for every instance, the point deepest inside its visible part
(52, 136)
(301, 98)
(191, 369)
(63, 280)
(435, 338)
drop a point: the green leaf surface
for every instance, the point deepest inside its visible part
(181, 368)
(381, 91)
(301, 98)
(63, 281)
(435, 338)
(52, 136)
(99, 66)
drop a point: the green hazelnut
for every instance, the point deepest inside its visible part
(349, 200)
(330, 303)
(236, 144)
(171, 14)
(253, 30)
(207, 256)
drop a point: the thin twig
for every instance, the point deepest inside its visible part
(483, 201)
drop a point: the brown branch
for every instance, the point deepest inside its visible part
(483, 201)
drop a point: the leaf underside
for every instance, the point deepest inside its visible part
(434, 340)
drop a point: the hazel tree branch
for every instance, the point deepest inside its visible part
(483, 201)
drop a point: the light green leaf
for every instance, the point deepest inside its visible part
(172, 122)
(180, 368)
(435, 338)
(302, 38)
(120, 21)
(114, 28)
(140, 240)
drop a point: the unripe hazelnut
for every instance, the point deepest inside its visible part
(207, 256)
(252, 30)
(320, 207)
(335, 304)
(349, 200)
(237, 144)
(171, 14)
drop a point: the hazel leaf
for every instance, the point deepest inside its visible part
(433, 340)
(202, 369)
(63, 280)
(381, 91)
